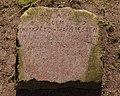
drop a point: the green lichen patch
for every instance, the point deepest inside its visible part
(95, 68)
(38, 13)
(19, 67)
(77, 15)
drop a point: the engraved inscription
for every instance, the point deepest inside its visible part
(59, 25)
(66, 28)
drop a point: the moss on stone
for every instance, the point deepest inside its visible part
(77, 15)
(20, 64)
(37, 13)
(95, 68)
(43, 14)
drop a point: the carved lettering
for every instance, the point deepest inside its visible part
(63, 27)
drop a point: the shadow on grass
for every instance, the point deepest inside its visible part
(45, 88)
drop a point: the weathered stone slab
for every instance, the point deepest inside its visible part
(59, 45)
